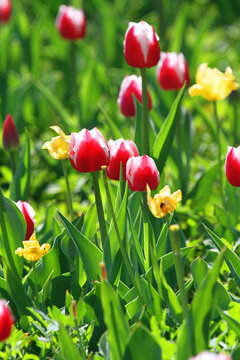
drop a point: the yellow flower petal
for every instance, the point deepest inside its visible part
(212, 84)
(58, 147)
(32, 251)
(163, 202)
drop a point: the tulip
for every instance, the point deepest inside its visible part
(131, 86)
(164, 202)
(140, 171)
(58, 147)
(212, 84)
(71, 22)
(28, 214)
(141, 47)
(6, 320)
(31, 250)
(120, 151)
(172, 71)
(232, 165)
(207, 355)
(10, 137)
(88, 150)
(5, 10)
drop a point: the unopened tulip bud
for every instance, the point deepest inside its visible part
(140, 172)
(232, 166)
(10, 137)
(28, 214)
(172, 71)
(120, 151)
(88, 150)
(131, 87)
(5, 10)
(71, 23)
(6, 320)
(141, 47)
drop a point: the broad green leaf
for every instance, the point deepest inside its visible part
(164, 140)
(231, 258)
(193, 337)
(12, 233)
(90, 254)
(142, 345)
(117, 326)
(69, 350)
(232, 323)
(20, 183)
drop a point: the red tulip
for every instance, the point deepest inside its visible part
(5, 10)
(88, 150)
(120, 151)
(71, 22)
(131, 86)
(232, 165)
(172, 71)
(141, 47)
(140, 171)
(10, 134)
(6, 320)
(28, 214)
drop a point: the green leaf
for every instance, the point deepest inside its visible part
(142, 345)
(90, 254)
(194, 334)
(12, 233)
(232, 323)
(68, 348)
(164, 140)
(115, 321)
(20, 184)
(231, 258)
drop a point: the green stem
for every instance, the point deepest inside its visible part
(145, 118)
(99, 205)
(35, 284)
(176, 249)
(13, 161)
(235, 135)
(69, 195)
(219, 152)
(75, 88)
(121, 246)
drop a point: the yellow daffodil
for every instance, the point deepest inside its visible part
(58, 147)
(32, 251)
(212, 84)
(163, 202)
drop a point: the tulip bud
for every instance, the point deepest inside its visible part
(88, 150)
(71, 22)
(141, 47)
(232, 165)
(28, 214)
(6, 320)
(5, 10)
(140, 172)
(131, 86)
(10, 134)
(120, 151)
(172, 71)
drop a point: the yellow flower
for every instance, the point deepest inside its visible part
(163, 202)
(58, 147)
(32, 250)
(212, 84)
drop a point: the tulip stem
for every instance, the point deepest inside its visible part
(74, 81)
(35, 284)
(219, 152)
(99, 205)
(176, 249)
(121, 246)
(145, 117)
(69, 195)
